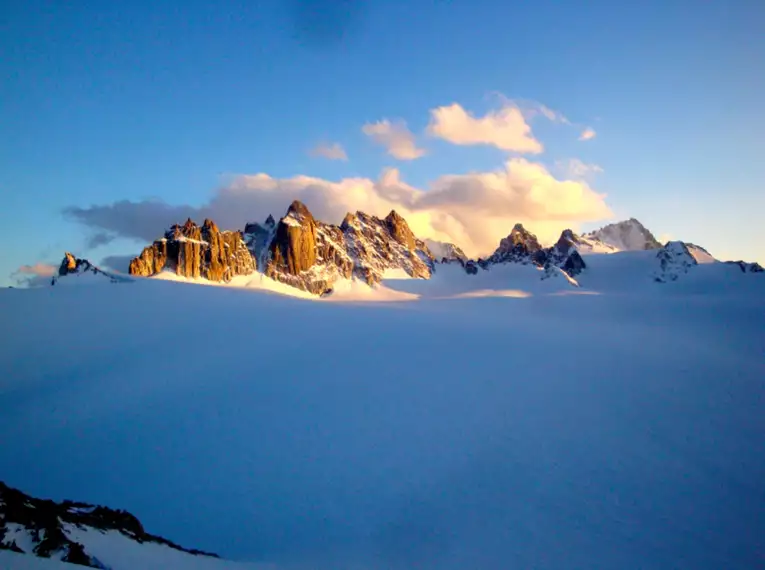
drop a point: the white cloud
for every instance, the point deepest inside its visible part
(472, 210)
(575, 168)
(395, 137)
(588, 134)
(34, 275)
(334, 151)
(505, 128)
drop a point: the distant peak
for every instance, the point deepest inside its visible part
(270, 222)
(394, 216)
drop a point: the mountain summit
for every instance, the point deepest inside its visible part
(629, 235)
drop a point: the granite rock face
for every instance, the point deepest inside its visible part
(193, 251)
(312, 255)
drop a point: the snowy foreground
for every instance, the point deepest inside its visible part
(496, 423)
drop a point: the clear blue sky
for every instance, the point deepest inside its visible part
(109, 101)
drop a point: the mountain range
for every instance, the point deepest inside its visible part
(310, 255)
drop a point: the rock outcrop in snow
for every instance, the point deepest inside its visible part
(193, 251)
(674, 260)
(747, 267)
(522, 246)
(74, 269)
(629, 235)
(48, 529)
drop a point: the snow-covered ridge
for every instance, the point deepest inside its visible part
(629, 235)
(74, 270)
(71, 532)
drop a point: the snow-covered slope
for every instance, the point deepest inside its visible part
(505, 422)
(629, 235)
(700, 254)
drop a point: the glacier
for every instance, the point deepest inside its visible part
(488, 421)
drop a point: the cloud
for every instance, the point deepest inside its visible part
(144, 221)
(118, 263)
(334, 151)
(588, 134)
(395, 137)
(99, 239)
(575, 168)
(505, 128)
(34, 275)
(473, 210)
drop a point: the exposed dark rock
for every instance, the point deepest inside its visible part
(47, 523)
(72, 265)
(520, 246)
(674, 260)
(747, 267)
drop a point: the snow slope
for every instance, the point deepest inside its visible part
(618, 428)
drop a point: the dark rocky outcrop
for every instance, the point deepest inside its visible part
(674, 260)
(747, 267)
(520, 246)
(46, 524)
(72, 266)
(193, 251)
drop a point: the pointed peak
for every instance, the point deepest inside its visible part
(270, 222)
(209, 224)
(394, 216)
(298, 209)
(68, 264)
(349, 220)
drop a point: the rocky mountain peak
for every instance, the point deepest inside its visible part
(674, 260)
(75, 269)
(628, 235)
(349, 220)
(70, 264)
(299, 211)
(312, 255)
(400, 231)
(520, 246)
(270, 222)
(193, 252)
(293, 247)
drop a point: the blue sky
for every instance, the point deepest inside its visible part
(115, 103)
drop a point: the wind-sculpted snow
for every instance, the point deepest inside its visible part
(618, 427)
